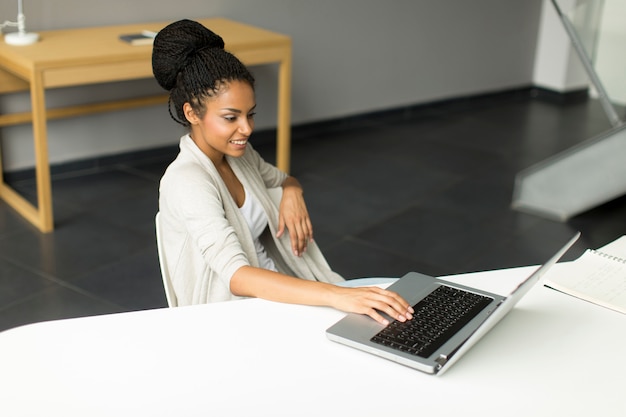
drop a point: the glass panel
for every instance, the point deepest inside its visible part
(586, 19)
(610, 60)
(598, 27)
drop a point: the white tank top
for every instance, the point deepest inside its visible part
(257, 222)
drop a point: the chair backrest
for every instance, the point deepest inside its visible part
(167, 284)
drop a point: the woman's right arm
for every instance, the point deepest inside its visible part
(249, 281)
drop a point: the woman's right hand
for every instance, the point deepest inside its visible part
(371, 301)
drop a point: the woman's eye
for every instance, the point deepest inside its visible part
(230, 118)
(251, 115)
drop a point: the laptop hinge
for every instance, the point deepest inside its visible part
(441, 360)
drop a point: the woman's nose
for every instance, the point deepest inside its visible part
(246, 127)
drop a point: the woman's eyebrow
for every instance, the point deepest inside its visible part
(236, 110)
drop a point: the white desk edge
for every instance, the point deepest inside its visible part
(553, 355)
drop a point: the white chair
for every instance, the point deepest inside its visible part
(167, 284)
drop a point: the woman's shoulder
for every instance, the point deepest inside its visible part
(187, 162)
(185, 174)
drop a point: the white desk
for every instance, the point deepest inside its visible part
(552, 356)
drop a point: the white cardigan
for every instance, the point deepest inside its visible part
(205, 237)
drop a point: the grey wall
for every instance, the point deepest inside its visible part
(350, 57)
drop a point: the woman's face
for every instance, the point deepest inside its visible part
(227, 122)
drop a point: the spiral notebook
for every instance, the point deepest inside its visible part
(597, 276)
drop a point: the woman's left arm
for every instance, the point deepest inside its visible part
(294, 216)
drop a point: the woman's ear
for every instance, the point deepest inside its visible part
(190, 114)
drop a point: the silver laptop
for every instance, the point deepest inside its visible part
(434, 344)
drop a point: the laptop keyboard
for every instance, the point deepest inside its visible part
(437, 317)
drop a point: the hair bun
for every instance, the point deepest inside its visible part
(175, 44)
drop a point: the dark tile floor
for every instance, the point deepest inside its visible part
(426, 189)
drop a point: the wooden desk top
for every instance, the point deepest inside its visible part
(58, 49)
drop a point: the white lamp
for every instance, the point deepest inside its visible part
(21, 37)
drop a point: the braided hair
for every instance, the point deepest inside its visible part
(190, 62)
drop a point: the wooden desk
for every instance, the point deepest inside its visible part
(64, 58)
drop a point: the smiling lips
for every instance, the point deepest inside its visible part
(239, 142)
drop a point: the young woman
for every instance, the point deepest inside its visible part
(233, 225)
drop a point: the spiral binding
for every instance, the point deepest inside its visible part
(607, 256)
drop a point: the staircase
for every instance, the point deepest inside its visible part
(576, 180)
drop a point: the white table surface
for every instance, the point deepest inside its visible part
(554, 355)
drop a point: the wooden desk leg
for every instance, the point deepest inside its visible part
(42, 164)
(283, 148)
(40, 216)
(1, 174)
